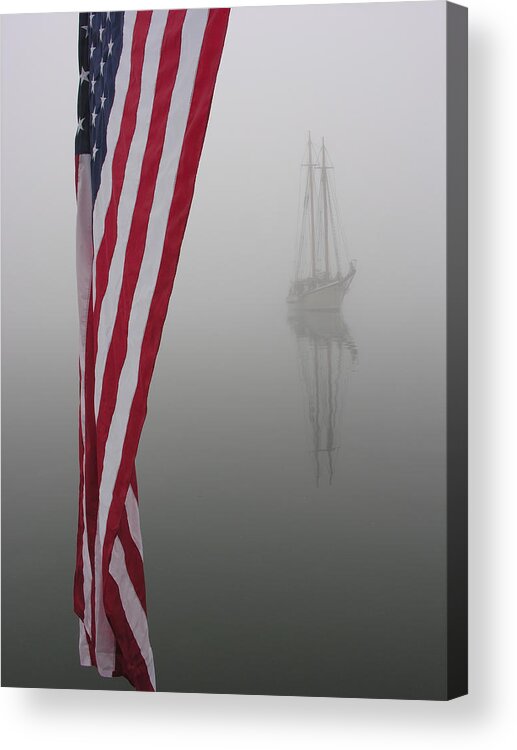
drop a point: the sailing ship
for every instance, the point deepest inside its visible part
(320, 281)
(326, 354)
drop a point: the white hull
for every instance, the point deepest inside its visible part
(324, 297)
(328, 297)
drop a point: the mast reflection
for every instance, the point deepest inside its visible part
(326, 354)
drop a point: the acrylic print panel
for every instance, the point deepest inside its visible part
(299, 498)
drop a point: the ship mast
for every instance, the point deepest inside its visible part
(320, 238)
(311, 204)
(324, 186)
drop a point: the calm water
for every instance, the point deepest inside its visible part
(296, 473)
(271, 566)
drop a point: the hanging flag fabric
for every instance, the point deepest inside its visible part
(146, 81)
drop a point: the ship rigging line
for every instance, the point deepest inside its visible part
(302, 236)
(340, 225)
(299, 229)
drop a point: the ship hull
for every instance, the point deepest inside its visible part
(324, 297)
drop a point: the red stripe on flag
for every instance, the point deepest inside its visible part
(209, 60)
(166, 78)
(91, 480)
(131, 647)
(131, 662)
(134, 562)
(120, 157)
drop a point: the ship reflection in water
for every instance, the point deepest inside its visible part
(326, 353)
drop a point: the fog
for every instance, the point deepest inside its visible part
(266, 570)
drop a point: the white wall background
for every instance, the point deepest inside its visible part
(486, 718)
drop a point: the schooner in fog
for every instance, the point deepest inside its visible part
(320, 279)
(323, 274)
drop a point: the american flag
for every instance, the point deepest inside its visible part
(146, 81)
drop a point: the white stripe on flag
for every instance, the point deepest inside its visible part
(191, 41)
(105, 642)
(135, 615)
(133, 519)
(137, 192)
(84, 254)
(84, 651)
(114, 123)
(109, 304)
